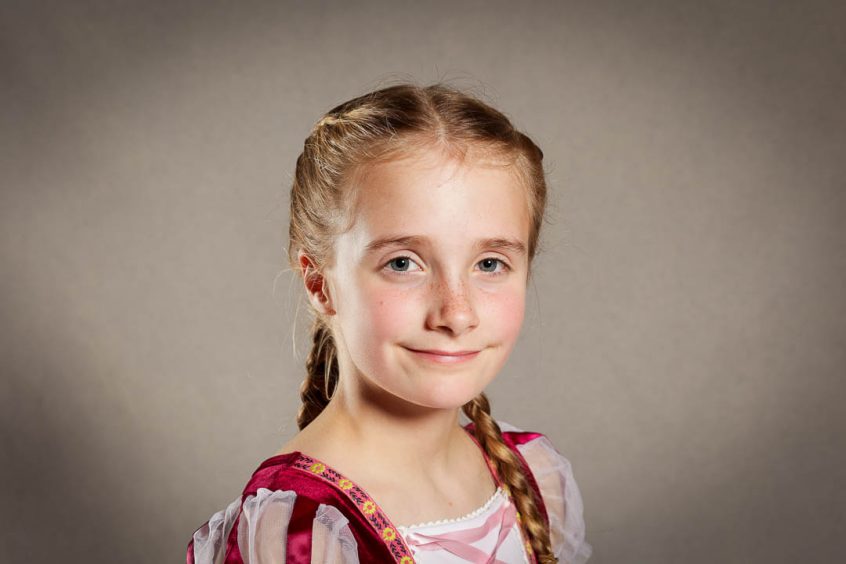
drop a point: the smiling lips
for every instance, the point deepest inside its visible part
(444, 357)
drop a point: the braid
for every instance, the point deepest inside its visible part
(321, 375)
(508, 466)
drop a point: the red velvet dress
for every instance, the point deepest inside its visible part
(297, 509)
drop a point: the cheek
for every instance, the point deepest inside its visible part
(504, 313)
(387, 314)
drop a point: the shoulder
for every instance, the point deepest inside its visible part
(537, 449)
(522, 441)
(283, 515)
(551, 475)
(274, 526)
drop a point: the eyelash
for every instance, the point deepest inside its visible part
(505, 265)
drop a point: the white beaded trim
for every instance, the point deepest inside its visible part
(476, 512)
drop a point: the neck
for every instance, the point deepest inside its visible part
(409, 438)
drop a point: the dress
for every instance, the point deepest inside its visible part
(296, 509)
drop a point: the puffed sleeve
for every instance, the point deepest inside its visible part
(561, 496)
(262, 532)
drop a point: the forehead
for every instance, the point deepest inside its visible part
(442, 198)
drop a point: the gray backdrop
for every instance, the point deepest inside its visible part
(684, 339)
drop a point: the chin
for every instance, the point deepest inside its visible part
(446, 387)
(448, 396)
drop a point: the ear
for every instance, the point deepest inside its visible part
(315, 284)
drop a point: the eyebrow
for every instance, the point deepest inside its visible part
(512, 245)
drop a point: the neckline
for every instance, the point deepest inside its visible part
(371, 511)
(475, 513)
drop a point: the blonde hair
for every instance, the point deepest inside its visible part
(379, 126)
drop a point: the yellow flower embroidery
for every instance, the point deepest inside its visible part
(345, 484)
(369, 507)
(406, 560)
(317, 468)
(389, 534)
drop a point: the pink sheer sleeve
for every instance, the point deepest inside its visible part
(561, 496)
(262, 532)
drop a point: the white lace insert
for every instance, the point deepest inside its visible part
(470, 515)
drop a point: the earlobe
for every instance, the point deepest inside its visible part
(315, 284)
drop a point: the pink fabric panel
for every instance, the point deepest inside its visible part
(458, 542)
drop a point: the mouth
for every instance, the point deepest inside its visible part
(444, 357)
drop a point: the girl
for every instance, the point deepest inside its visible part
(415, 215)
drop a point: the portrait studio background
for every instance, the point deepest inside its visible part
(684, 336)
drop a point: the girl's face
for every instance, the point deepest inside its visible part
(437, 260)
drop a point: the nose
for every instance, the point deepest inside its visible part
(452, 309)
